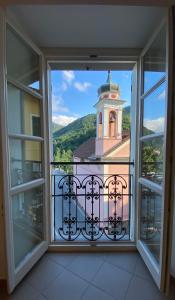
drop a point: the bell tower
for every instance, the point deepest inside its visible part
(109, 117)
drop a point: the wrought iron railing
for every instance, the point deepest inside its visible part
(91, 200)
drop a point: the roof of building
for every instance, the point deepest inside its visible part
(109, 86)
(124, 139)
(86, 149)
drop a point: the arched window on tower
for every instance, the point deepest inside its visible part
(112, 124)
(100, 118)
(100, 125)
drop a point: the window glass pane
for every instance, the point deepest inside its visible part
(154, 111)
(154, 61)
(152, 159)
(150, 229)
(22, 61)
(23, 109)
(27, 210)
(25, 161)
(35, 125)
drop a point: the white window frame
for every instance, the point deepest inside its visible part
(15, 275)
(160, 272)
(73, 64)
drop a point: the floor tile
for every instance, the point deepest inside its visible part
(63, 259)
(86, 266)
(49, 280)
(113, 280)
(143, 289)
(141, 270)
(93, 293)
(24, 292)
(67, 286)
(172, 291)
(43, 274)
(40, 297)
(125, 260)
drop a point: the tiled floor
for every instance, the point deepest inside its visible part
(119, 276)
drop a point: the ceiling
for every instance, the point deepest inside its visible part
(164, 3)
(89, 26)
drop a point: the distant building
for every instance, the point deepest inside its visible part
(110, 145)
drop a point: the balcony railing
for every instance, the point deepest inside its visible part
(91, 200)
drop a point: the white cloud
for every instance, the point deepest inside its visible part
(126, 75)
(82, 86)
(68, 76)
(63, 120)
(162, 95)
(156, 125)
(58, 104)
(63, 86)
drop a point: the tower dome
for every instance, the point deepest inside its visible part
(109, 87)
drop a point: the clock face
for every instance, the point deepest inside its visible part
(110, 96)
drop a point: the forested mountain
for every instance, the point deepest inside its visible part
(56, 127)
(68, 138)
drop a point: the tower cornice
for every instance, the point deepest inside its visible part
(109, 103)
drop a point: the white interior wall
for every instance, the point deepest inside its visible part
(69, 26)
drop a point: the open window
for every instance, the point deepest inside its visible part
(99, 139)
(24, 153)
(153, 145)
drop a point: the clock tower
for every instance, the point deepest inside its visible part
(109, 117)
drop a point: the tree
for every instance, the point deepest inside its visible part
(126, 122)
(57, 154)
(152, 158)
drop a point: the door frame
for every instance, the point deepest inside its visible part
(72, 63)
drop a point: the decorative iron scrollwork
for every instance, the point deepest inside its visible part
(92, 207)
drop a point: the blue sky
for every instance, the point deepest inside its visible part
(75, 92)
(154, 108)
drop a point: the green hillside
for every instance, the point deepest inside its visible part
(76, 133)
(56, 127)
(68, 138)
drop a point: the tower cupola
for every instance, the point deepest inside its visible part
(109, 89)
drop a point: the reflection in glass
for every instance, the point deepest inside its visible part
(150, 230)
(22, 61)
(27, 209)
(152, 159)
(25, 161)
(154, 111)
(154, 61)
(23, 113)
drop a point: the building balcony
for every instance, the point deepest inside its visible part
(91, 201)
